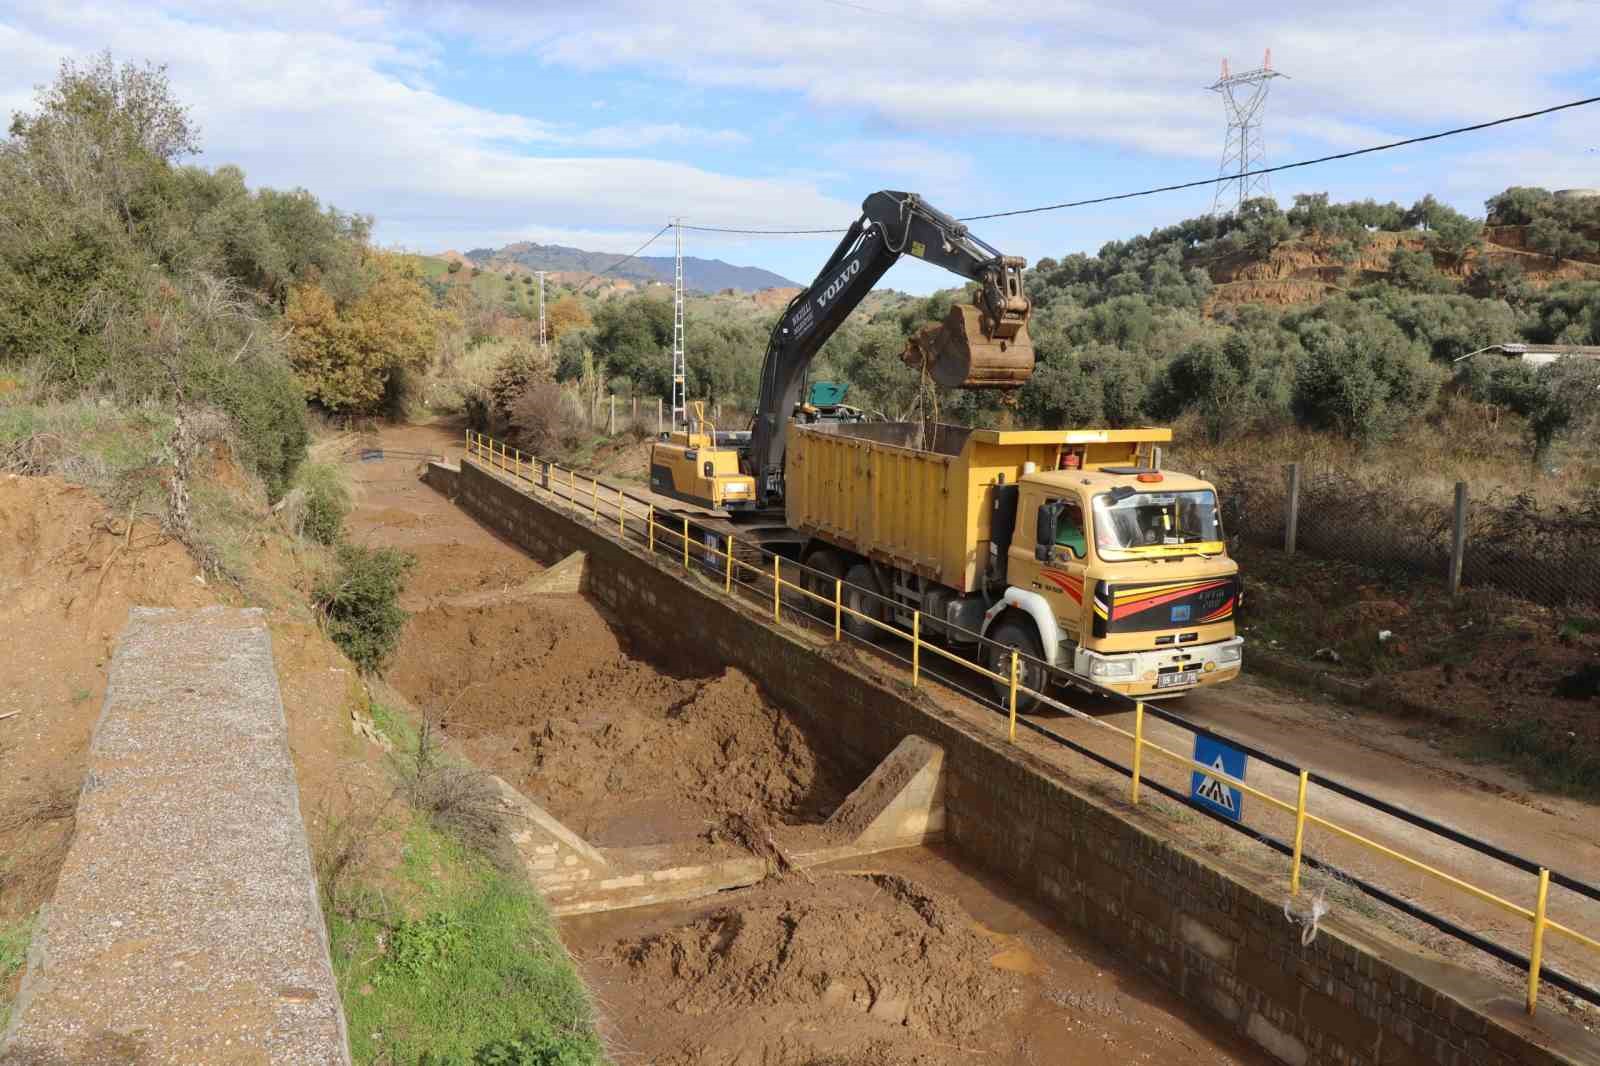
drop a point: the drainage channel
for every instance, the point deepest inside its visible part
(810, 915)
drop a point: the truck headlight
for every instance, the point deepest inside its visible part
(1111, 668)
(1230, 653)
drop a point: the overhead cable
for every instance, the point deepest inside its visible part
(1194, 184)
(631, 255)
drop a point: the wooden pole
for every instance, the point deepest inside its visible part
(1291, 516)
(1458, 540)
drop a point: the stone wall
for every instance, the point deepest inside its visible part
(1211, 937)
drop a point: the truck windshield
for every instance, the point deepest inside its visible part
(1129, 524)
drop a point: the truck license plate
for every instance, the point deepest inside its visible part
(1177, 680)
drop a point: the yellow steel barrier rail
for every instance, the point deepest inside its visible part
(733, 571)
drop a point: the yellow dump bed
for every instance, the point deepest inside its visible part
(880, 490)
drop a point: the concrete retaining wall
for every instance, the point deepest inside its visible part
(1219, 942)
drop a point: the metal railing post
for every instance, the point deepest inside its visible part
(838, 608)
(777, 588)
(1536, 956)
(1299, 834)
(686, 542)
(727, 576)
(1013, 734)
(594, 501)
(1138, 751)
(650, 520)
(572, 488)
(622, 516)
(916, 647)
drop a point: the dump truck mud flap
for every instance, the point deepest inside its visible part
(1037, 608)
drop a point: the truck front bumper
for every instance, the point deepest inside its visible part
(1141, 673)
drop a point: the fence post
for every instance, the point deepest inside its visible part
(572, 488)
(658, 416)
(1536, 956)
(916, 647)
(1013, 695)
(727, 576)
(777, 587)
(1458, 541)
(1299, 834)
(838, 607)
(1291, 513)
(1138, 751)
(611, 426)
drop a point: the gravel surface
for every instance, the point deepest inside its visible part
(185, 927)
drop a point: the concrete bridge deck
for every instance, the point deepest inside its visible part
(185, 927)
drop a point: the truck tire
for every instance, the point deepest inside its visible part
(1018, 633)
(857, 578)
(830, 566)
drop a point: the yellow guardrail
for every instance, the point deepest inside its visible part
(732, 570)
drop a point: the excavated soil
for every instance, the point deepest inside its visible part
(916, 961)
(543, 692)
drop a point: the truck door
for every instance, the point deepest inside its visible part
(1055, 569)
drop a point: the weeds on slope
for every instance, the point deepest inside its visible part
(446, 957)
(14, 940)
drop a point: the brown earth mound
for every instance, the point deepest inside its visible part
(543, 693)
(876, 968)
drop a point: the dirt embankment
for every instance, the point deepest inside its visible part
(543, 693)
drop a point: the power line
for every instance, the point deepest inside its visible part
(631, 255)
(1194, 184)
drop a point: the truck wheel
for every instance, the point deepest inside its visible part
(1012, 633)
(857, 578)
(829, 566)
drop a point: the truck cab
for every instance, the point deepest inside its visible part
(1131, 563)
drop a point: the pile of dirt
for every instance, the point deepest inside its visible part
(543, 693)
(873, 968)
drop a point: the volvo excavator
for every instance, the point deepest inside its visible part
(980, 345)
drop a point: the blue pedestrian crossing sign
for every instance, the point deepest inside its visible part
(1211, 792)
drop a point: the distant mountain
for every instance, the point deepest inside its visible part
(702, 275)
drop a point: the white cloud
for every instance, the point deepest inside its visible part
(335, 98)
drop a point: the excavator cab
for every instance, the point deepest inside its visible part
(983, 344)
(698, 465)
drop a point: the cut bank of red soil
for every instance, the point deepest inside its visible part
(542, 692)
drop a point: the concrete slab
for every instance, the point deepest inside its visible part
(185, 927)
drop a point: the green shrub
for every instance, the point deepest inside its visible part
(539, 1047)
(360, 602)
(322, 503)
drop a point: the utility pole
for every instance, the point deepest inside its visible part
(544, 347)
(680, 405)
(1243, 98)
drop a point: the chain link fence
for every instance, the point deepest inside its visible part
(1541, 553)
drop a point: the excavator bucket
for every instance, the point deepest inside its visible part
(960, 353)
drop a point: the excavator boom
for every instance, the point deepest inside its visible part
(981, 345)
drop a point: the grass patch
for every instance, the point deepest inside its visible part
(1546, 757)
(14, 940)
(467, 970)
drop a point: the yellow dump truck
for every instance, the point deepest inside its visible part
(1069, 545)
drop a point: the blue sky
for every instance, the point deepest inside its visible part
(467, 124)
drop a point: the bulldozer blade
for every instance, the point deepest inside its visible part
(957, 354)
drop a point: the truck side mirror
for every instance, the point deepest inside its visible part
(1045, 531)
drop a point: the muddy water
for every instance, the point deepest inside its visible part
(906, 957)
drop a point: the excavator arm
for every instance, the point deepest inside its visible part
(984, 344)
